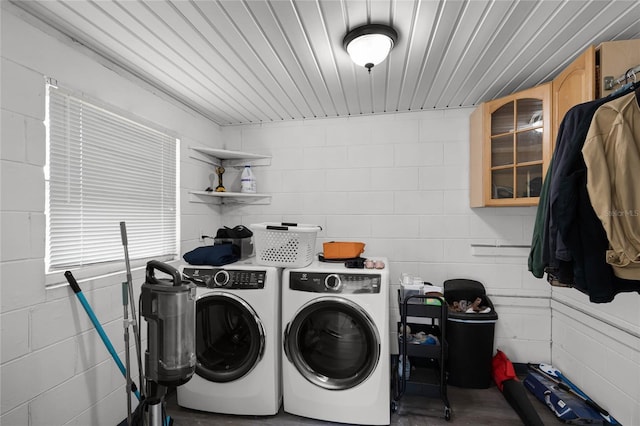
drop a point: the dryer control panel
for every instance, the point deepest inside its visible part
(323, 282)
(227, 278)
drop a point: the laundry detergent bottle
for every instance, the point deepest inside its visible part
(248, 181)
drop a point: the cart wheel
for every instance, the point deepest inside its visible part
(447, 413)
(394, 406)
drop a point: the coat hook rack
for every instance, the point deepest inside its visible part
(630, 74)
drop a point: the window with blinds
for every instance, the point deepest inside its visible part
(102, 169)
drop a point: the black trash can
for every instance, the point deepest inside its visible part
(469, 335)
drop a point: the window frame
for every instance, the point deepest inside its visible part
(55, 277)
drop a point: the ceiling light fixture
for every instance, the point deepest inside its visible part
(370, 44)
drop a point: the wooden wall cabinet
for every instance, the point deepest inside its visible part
(585, 79)
(510, 148)
(613, 59)
(574, 85)
(508, 159)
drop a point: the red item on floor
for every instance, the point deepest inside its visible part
(502, 369)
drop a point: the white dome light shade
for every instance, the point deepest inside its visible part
(369, 49)
(370, 44)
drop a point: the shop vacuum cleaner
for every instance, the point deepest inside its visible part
(168, 306)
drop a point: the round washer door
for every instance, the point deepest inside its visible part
(333, 343)
(230, 337)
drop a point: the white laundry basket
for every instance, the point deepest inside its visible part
(287, 245)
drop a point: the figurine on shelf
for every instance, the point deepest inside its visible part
(219, 172)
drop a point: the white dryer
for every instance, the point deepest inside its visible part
(336, 343)
(238, 340)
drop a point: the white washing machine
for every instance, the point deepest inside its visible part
(335, 364)
(238, 340)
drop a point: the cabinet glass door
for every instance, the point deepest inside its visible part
(517, 149)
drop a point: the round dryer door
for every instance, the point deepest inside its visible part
(333, 343)
(229, 337)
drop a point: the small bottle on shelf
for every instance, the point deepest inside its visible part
(248, 181)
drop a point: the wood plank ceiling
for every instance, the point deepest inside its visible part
(252, 61)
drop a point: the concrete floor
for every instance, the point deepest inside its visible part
(468, 407)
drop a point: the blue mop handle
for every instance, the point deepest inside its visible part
(105, 339)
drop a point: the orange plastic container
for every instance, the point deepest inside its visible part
(342, 249)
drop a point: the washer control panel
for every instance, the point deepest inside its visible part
(226, 278)
(322, 282)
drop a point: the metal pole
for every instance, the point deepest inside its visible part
(125, 303)
(134, 322)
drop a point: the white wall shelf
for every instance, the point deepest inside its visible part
(226, 158)
(213, 197)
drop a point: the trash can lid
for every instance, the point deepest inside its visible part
(464, 284)
(463, 289)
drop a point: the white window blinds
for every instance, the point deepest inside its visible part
(103, 168)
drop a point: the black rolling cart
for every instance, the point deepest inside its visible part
(427, 375)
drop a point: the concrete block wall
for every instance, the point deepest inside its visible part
(598, 347)
(54, 368)
(399, 183)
